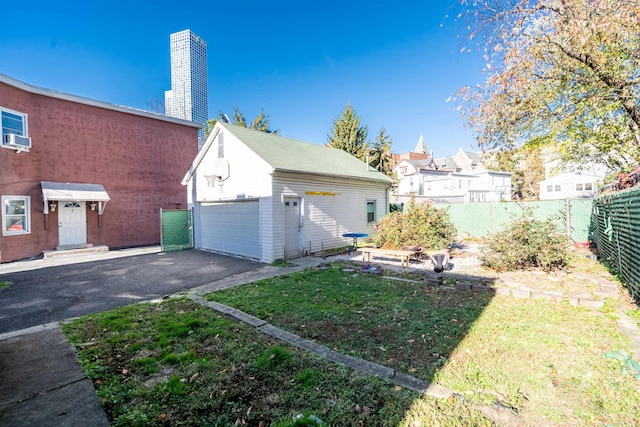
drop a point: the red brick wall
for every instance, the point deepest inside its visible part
(140, 162)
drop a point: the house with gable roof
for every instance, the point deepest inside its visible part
(267, 197)
(459, 178)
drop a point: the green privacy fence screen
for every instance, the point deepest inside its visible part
(616, 234)
(484, 218)
(176, 234)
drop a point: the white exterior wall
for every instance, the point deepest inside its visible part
(563, 186)
(325, 218)
(267, 234)
(249, 178)
(249, 175)
(405, 180)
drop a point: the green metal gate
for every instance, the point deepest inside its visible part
(176, 230)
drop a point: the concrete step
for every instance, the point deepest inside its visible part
(75, 250)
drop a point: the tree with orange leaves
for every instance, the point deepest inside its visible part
(565, 72)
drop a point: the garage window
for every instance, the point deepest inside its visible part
(371, 211)
(15, 215)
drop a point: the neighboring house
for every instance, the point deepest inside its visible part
(459, 178)
(570, 181)
(569, 185)
(267, 197)
(76, 172)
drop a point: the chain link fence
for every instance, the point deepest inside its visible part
(484, 218)
(616, 234)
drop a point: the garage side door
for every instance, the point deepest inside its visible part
(232, 228)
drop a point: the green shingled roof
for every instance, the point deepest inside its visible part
(289, 155)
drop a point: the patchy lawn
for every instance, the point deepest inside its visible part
(177, 363)
(510, 361)
(540, 362)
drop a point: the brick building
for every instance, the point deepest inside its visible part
(76, 172)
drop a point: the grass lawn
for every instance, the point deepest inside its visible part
(510, 361)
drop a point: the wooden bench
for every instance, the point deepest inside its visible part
(403, 254)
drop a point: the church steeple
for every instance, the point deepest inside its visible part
(421, 146)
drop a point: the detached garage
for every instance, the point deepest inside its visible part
(265, 197)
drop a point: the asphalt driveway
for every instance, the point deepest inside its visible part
(48, 294)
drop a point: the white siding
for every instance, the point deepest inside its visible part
(325, 218)
(249, 175)
(567, 183)
(267, 231)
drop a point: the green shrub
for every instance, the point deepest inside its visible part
(419, 224)
(527, 243)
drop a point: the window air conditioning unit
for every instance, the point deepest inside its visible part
(20, 143)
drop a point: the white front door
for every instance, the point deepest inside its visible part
(292, 244)
(72, 223)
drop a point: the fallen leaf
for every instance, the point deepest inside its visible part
(382, 348)
(397, 388)
(411, 341)
(412, 369)
(193, 377)
(161, 417)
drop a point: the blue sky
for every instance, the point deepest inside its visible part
(302, 62)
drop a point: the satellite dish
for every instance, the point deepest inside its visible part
(221, 169)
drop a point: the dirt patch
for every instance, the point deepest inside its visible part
(584, 279)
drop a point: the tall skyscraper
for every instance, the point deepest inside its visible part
(187, 98)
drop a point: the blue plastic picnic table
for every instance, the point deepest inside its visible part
(355, 237)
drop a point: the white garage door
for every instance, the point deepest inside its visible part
(232, 228)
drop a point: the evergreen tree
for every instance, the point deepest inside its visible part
(348, 135)
(261, 122)
(380, 153)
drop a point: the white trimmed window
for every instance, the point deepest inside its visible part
(13, 122)
(371, 211)
(16, 218)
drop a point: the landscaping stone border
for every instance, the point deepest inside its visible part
(582, 300)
